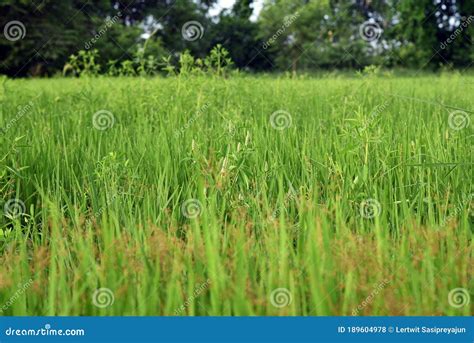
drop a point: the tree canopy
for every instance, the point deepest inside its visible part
(39, 36)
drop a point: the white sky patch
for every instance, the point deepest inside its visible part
(221, 5)
(227, 4)
(257, 5)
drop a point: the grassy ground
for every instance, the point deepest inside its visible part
(244, 196)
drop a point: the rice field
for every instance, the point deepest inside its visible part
(199, 196)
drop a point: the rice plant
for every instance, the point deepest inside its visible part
(189, 195)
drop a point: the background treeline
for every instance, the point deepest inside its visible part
(287, 35)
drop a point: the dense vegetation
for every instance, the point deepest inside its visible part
(204, 195)
(41, 35)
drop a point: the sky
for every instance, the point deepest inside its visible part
(220, 5)
(227, 4)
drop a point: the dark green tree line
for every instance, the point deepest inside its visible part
(288, 35)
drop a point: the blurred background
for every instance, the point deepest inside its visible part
(48, 38)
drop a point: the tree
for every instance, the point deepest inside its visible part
(435, 32)
(239, 35)
(313, 34)
(39, 35)
(50, 31)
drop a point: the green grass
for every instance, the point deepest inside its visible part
(273, 209)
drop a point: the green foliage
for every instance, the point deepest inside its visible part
(168, 66)
(86, 63)
(240, 36)
(218, 63)
(83, 64)
(53, 30)
(280, 200)
(289, 35)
